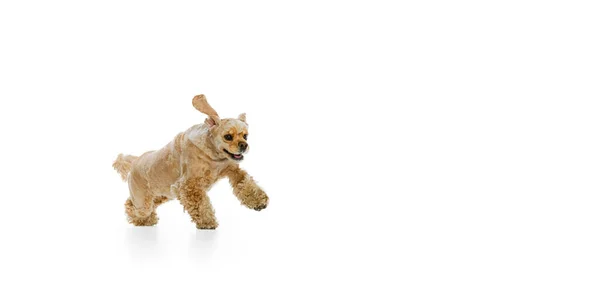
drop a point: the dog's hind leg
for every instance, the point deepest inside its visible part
(136, 216)
(140, 207)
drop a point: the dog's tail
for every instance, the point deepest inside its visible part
(123, 164)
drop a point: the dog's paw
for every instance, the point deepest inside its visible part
(261, 206)
(252, 196)
(261, 203)
(207, 226)
(258, 208)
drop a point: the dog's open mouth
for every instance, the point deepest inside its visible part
(234, 156)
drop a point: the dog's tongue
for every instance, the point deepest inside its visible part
(237, 155)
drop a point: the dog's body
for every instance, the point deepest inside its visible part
(187, 167)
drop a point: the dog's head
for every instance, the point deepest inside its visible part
(228, 136)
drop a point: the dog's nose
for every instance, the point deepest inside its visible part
(243, 146)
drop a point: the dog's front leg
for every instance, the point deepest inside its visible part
(246, 189)
(192, 195)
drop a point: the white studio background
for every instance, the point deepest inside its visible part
(406, 146)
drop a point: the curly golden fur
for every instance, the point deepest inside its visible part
(187, 167)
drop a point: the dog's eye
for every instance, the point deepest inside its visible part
(245, 136)
(228, 137)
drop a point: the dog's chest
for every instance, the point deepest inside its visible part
(220, 170)
(215, 171)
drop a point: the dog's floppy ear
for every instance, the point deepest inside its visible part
(242, 117)
(202, 105)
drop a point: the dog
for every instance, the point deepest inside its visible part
(187, 167)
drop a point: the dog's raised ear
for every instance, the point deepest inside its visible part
(242, 117)
(202, 105)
